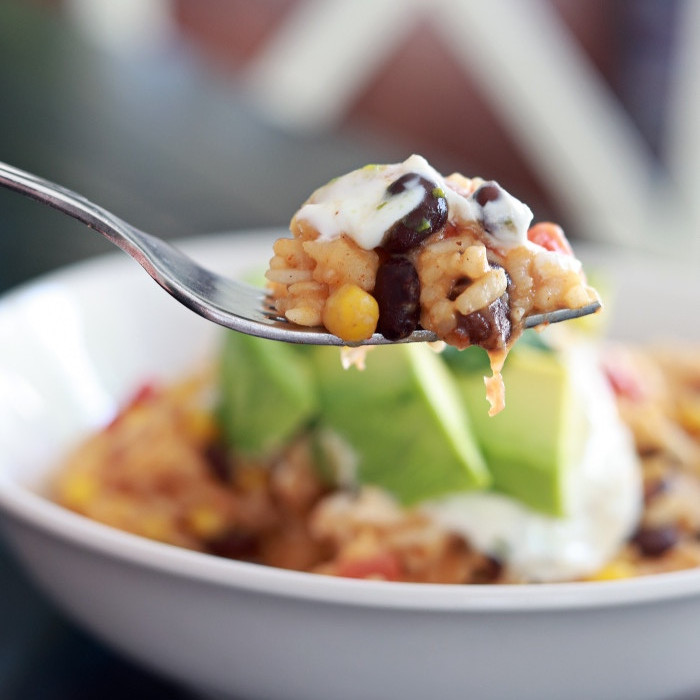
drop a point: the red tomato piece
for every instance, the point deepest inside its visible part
(625, 382)
(383, 565)
(144, 393)
(550, 236)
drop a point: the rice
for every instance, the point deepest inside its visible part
(461, 263)
(159, 470)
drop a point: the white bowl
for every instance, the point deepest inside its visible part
(75, 343)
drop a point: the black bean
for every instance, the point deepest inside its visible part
(429, 216)
(655, 541)
(488, 192)
(235, 544)
(397, 291)
(489, 571)
(218, 462)
(490, 328)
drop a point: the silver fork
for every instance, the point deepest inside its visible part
(229, 303)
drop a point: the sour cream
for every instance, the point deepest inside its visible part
(603, 497)
(357, 205)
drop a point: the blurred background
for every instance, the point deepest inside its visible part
(193, 116)
(186, 117)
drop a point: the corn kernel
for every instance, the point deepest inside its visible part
(351, 313)
(689, 412)
(613, 571)
(205, 521)
(78, 490)
(200, 426)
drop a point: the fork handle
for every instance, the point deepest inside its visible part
(74, 205)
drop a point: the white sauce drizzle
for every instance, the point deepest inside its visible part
(357, 205)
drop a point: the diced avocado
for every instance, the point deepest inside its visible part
(530, 445)
(267, 393)
(404, 419)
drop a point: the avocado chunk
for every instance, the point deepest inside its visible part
(404, 420)
(267, 393)
(531, 444)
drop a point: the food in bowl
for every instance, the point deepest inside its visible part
(181, 613)
(391, 248)
(279, 456)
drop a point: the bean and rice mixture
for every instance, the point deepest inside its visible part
(159, 470)
(394, 248)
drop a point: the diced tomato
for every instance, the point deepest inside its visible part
(550, 236)
(383, 565)
(625, 382)
(144, 393)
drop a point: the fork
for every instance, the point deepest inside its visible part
(217, 298)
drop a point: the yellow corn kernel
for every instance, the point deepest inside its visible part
(351, 313)
(205, 522)
(78, 490)
(200, 426)
(689, 412)
(613, 571)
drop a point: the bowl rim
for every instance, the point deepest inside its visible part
(28, 508)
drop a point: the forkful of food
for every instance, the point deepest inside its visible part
(383, 254)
